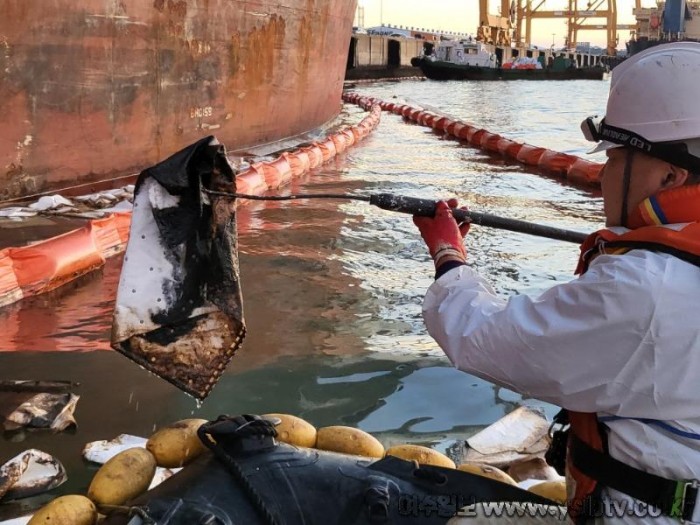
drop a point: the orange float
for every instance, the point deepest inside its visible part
(357, 133)
(252, 180)
(315, 155)
(443, 123)
(349, 136)
(505, 144)
(122, 223)
(10, 290)
(276, 173)
(46, 265)
(584, 173)
(450, 129)
(414, 114)
(439, 123)
(455, 128)
(513, 150)
(490, 142)
(476, 136)
(430, 120)
(530, 155)
(107, 237)
(340, 142)
(465, 132)
(327, 149)
(577, 170)
(298, 161)
(555, 162)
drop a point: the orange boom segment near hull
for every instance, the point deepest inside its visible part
(93, 90)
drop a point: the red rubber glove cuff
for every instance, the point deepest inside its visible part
(442, 235)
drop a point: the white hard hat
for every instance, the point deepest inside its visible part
(653, 105)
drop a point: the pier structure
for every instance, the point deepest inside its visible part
(381, 56)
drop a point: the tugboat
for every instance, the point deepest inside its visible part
(471, 60)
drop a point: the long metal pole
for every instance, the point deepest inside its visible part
(426, 208)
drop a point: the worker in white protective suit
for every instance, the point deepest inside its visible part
(619, 347)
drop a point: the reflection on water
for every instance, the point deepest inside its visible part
(77, 316)
(332, 290)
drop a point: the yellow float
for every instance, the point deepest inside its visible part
(421, 454)
(125, 476)
(554, 490)
(294, 430)
(487, 471)
(66, 510)
(177, 444)
(348, 440)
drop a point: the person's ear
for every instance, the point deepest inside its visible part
(675, 177)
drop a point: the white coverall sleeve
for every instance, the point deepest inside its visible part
(573, 346)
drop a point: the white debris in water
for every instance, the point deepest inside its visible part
(520, 435)
(92, 206)
(120, 206)
(17, 212)
(44, 410)
(31, 472)
(17, 521)
(50, 202)
(102, 451)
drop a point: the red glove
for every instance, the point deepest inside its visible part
(442, 234)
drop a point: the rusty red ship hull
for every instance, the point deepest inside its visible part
(95, 90)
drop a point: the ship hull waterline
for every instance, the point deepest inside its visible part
(94, 91)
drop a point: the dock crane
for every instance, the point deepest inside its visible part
(495, 29)
(518, 13)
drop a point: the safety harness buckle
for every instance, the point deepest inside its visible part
(685, 507)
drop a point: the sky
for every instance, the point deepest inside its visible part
(462, 16)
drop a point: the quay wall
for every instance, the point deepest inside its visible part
(374, 56)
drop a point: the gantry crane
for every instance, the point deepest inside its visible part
(495, 29)
(519, 13)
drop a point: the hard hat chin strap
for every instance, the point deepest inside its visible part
(626, 179)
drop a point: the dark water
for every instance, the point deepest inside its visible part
(332, 291)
